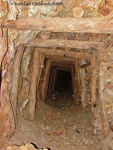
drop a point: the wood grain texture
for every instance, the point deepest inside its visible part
(78, 25)
(64, 43)
(55, 52)
(15, 83)
(33, 86)
(94, 86)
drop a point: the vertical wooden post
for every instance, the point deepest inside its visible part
(15, 84)
(83, 83)
(93, 85)
(54, 79)
(77, 71)
(73, 77)
(41, 66)
(48, 77)
(51, 80)
(105, 120)
(84, 90)
(45, 81)
(33, 86)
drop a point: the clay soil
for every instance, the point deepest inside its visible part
(60, 125)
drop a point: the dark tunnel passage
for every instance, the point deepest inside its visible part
(60, 87)
(63, 81)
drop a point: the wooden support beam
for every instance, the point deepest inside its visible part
(62, 68)
(73, 77)
(33, 86)
(60, 64)
(64, 43)
(66, 59)
(54, 79)
(45, 81)
(84, 89)
(51, 79)
(105, 120)
(41, 66)
(78, 25)
(15, 84)
(93, 85)
(77, 70)
(56, 52)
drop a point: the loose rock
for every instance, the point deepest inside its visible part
(78, 12)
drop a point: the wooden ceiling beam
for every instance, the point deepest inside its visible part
(63, 62)
(64, 43)
(60, 58)
(60, 64)
(63, 69)
(57, 24)
(62, 53)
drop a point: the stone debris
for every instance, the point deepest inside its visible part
(60, 131)
(45, 126)
(78, 12)
(45, 35)
(26, 147)
(85, 141)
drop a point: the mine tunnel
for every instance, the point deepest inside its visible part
(56, 83)
(55, 88)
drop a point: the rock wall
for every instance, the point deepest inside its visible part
(10, 9)
(108, 82)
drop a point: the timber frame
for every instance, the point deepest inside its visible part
(76, 25)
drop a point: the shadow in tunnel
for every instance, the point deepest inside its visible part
(61, 93)
(63, 81)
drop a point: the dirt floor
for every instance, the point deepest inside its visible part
(60, 125)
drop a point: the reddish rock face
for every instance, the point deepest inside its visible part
(105, 7)
(2, 129)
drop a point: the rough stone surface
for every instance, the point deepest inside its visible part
(1, 32)
(45, 35)
(25, 83)
(78, 12)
